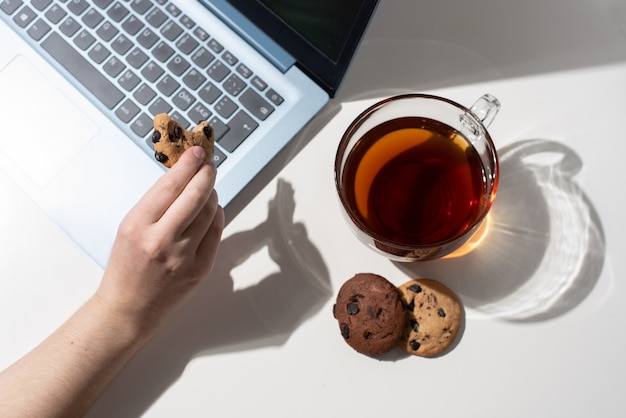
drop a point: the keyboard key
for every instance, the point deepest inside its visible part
(10, 6)
(178, 65)
(122, 45)
(152, 71)
(141, 6)
(92, 18)
(132, 25)
(186, 44)
(173, 10)
(234, 85)
(142, 125)
(129, 80)
(159, 106)
(219, 128)
(183, 99)
(244, 71)
(40, 4)
(180, 119)
(162, 51)
(198, 112)
(258, 83)
(127, 111)
(99, 53)
(114, 67)
(103, 4)
(225, 107)
(77, 6)
(218, 71)
(240, 127)
(167, 85)
(229, 58)
(201, 34)
(55, 14)
(69, 26)
(193, 79)
(255, 104)
(117, 12)
(82, 70)
(24, 17)
(147, 38)
(202, 57)
(274, 97)
(144, 94)
(218, 156)
(171, 30)
(107, 31)
(38, 30)
(156, 18)
(187, 22)
(209, 93)
(137, 58)
(84, 40)
(215, 46)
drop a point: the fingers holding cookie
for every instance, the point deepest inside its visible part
(171, 140)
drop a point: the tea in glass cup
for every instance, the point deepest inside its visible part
(417, 174)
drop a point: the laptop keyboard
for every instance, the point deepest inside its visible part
(144, 57)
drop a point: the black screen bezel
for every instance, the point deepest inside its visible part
(324, 70)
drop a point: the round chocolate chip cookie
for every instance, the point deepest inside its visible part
(171, 140)
(370, 314)
(435, 317)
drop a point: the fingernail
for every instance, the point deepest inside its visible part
(198, 152)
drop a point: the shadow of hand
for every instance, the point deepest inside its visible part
(222, 317)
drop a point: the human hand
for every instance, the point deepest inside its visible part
(165, 245)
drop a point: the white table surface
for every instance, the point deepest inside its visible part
(544, 294)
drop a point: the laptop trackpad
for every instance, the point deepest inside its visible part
(44, 130)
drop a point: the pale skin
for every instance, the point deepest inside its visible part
(164, 248)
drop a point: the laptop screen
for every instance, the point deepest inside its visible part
(322, 35)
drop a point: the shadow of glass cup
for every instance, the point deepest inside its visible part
(543, 248)
(417, 174)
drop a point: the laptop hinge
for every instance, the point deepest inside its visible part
(251, 33)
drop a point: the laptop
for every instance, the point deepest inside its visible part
(81, 80)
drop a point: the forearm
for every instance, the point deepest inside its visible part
(65, 374)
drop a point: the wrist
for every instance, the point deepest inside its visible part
(129, 324)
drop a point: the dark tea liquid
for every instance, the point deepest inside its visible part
(414, 181)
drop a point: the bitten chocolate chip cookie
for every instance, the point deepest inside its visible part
(171, 140)
(370, 314)
(434, 315)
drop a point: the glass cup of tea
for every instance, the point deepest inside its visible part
(417, 174)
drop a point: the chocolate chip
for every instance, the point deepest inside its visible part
(160, 157)
(345, 331)
(156, 137)
(411, 305)
(414, 345)
(368, 335)
(414, 325)
(352, 308)
(208, 131)
(178, 132)
(335, 310)
(441, 312)
(415, 288)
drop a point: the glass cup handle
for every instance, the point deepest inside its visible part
(486, 108)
